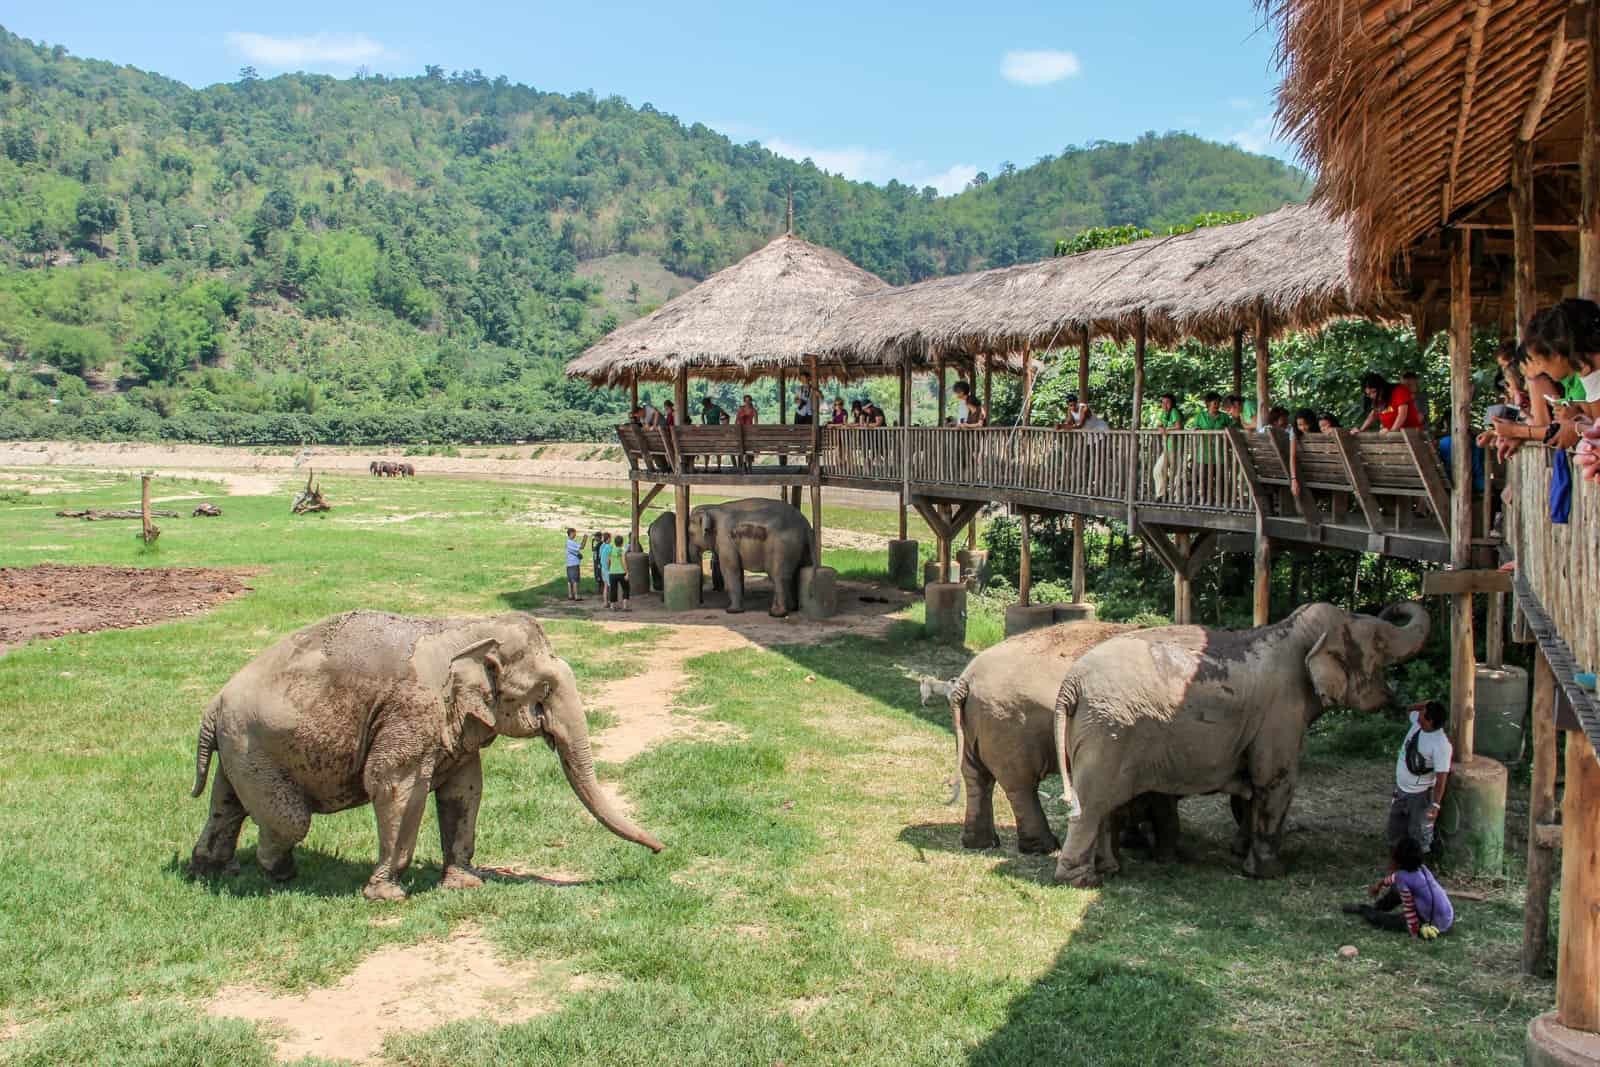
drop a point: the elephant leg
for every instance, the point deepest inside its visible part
(456, 802)
(1240, 807)
(214, 852)
(398, 805)
(978, 832)
(733, 578)
(279, 808)
(718, 583)
(1268, 810)
(1164, 821)
(783, 600)
(1080, 862)
(1033, 829)
(1107, 853)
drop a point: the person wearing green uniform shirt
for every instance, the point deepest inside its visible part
(1170, 417)
(617, 574)
(1212, 418)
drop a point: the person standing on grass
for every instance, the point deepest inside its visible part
(600, 539)
(603, 568)
(574, 561)
(1420, 775)
(617, 573)
(1424, 908)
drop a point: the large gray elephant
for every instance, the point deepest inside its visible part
(664, 545)
(1002, 707)
(1188, 709)
(368, 707)
(755, 534)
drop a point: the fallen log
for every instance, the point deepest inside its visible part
(206, 511)
(96, 514)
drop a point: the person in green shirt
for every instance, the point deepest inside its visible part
(1212, 418)
(1242, 410)
(617, 574)
(1170, 417)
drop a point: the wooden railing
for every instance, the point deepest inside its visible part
(862, 453)
(1191, 469)
(677, 449)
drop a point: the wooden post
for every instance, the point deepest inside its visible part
(941, 391)
(988, 383)
(1578, 961)
(1079, 574)
(783, 398)
(1263, 576)
(1139, 337)
(816, 465)
(1263, 362)
(1541, 813)
(1182, 587)
(1463, 664)
(1027, 384)
(151, 531)
(1025, 571)
(1238, 363)
(905, 445)
(1589, 171)
(634, 526)
(1523, 264)
(680, 393)
(633, 380)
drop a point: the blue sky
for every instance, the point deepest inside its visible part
(928, 94)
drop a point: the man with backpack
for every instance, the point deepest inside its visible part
(1420, 775)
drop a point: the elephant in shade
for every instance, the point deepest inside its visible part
(664, 550)
(1002, 707)
(384, 709)
(755, 534)
(1189, 709)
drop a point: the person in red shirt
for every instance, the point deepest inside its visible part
(1389, 404)
(746, 414)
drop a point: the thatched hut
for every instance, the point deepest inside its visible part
(1209, 284)
(758, 317)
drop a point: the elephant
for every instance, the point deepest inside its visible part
(1002, 708)
(1185, 710)
(369, 707)
(755, 534)
(664, 545)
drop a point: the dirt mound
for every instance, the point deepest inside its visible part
(50, 600)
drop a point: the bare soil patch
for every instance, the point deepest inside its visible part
(51, 600)
(396, 989)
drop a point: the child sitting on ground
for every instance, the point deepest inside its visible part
(1425, 911)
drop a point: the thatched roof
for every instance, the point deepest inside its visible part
(1411, 112)
(1205, 284)
(763, 314)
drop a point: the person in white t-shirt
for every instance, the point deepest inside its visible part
(1420, 774)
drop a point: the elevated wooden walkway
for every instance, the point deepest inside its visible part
(1383, 493)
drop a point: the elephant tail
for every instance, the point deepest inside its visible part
(958, 709)
(205, 747)
(1066, 704)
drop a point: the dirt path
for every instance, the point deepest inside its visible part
(644, 703)
(51, 600)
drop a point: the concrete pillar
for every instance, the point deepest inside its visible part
(1501, 694)
(638, 568)
(1472, 819)
(937, 571)
(681, 586)
(903, 564)
(974, 566)
(1078, 612)
(1024, 617)
(946, 604)
(819, 592)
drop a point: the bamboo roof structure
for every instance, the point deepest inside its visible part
(1205, 284)
(1413, 111)
(761, 315)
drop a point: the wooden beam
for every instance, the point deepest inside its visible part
(932, 516)
(1202, 546)
(1541, 813)
(1261, 599)
(1027, 384)
(1025, 571)
(1469, 81)
(905, 445)
(1358, 478)
(1589, 162)
(1463, 665)
(1079, 561)
(1522, 254)
(1428, 471)
(1465, 582)
(1083, 366)
(1137, 415)
(1303, 500)
(941, 391)
(651, 495)
(633, 526)
(1164, 549)
(1263, 362)
(1182, 584)
(680, 552)
(1241, 452)
(1238, 362)
(1545, 86)
(1578, 965)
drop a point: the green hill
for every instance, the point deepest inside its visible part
(415, 258)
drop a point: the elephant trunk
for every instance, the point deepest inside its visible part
(578, 764)
(1409, 625)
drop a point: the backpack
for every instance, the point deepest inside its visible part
(1415, 763)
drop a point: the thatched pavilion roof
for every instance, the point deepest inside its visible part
(1412, 111)
(1205, 284)
(761, 315)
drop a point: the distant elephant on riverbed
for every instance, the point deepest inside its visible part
(757, 534)
(1188, 709)
(1002, 708)
(384, 709)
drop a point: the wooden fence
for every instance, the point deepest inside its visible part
(1559, 561)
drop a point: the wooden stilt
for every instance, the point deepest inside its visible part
(1027, 384)
(1263, 363)
(941, 391)
(1238, 362)
(1463, 663)
(681, 501)
(905, 446)
(634, 525)
(1182, 587)
(1025, 571)
(1078, 576)
(1541, 813)
(1263, 578)
(1578, 961)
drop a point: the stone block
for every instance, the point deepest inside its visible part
(946, 605)
(1023, 617)
(819, 592)
(903, 564)
(1074, 612)
(1472, 819)
(638, 568)
(680, 584)
(974, 563)
(931, 573)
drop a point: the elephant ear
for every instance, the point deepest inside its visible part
(1328, 665)
(473, 690)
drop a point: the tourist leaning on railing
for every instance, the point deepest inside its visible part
(1391, 406)
(1305, 421)
(1563, 344)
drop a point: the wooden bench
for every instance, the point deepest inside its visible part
(645, 449)
(1394, 477)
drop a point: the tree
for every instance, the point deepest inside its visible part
(248, 74)
(96, 214)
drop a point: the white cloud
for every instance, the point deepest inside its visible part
(308, 50)
(1259, 137)
(1037, 68)
(876, 165)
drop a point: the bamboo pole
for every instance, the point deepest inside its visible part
(941, 391)
(1079, 577)
(816, 465)
(1263, 362)
(905, 446)
(1238, 362)
(1462, 663)
(680, 392)
(1589, 161)
(1027, 384)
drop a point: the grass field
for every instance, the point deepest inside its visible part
(813, 905)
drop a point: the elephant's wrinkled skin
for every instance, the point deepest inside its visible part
(1001, 707)
(369, 707)
(755, 534)
(1187, 709)
(663, 534)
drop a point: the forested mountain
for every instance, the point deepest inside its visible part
(307, 254)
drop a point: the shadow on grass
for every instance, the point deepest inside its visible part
(870, 667)
(538, 596)
(322, 875)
